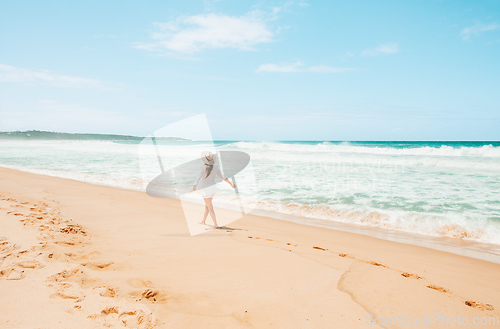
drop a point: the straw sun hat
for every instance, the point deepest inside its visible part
(208, 158)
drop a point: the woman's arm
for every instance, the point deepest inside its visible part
(218, 172)
(230, 183)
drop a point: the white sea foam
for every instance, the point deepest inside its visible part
(328, 147)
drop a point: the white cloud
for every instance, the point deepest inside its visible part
(299, 67)
(477, 29)
(385, 49)
(191, 34)
(15, 74)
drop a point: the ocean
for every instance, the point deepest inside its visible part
(447, 189)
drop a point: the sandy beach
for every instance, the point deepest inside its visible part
(76, 255)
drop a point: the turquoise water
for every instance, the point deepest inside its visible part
(434, 188)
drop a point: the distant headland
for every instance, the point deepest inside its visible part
(51, 135)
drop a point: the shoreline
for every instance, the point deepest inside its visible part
(465, 247)
(470, 248)
(137, 262)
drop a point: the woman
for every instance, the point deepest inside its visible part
(205, 183)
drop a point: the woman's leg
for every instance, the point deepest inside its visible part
(205, 215)
(208, 204)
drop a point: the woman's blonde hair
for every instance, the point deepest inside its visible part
(208, 159)
(209, 169)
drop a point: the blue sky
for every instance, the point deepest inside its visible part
(259, 70)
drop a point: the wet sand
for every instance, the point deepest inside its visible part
(85, 256)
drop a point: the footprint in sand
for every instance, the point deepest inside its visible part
(99, 266)
(137, 319)
(438, 288)
(156, 296)
(112, 316)
(12, 273)
(30, 264)
(109, 310)
(73, 229)
(152, 295)
(75, 275)
(106, 291)
(319, 248)
(346, 256)
(482, 307)
(68, 291)
(411, 276)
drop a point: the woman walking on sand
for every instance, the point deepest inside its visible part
(205, 184)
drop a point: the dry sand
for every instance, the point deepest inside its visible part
(76, 255)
